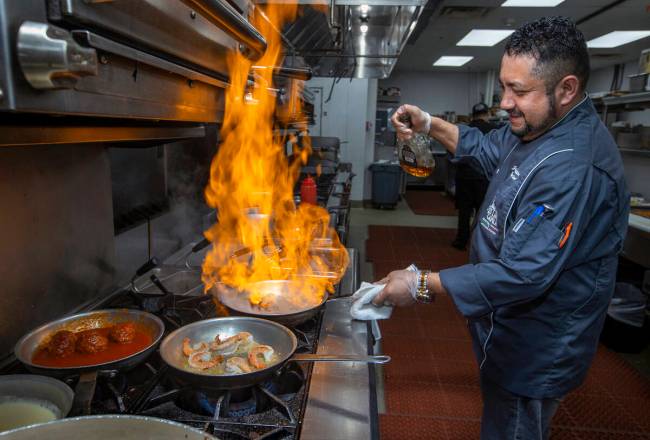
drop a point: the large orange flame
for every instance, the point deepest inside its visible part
(260, 233)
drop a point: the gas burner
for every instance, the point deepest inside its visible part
(229, 403)
(241, 402)
(305, 342)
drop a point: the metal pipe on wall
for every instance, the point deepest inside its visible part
(490, 83)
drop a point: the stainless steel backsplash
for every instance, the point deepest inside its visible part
(56, 230)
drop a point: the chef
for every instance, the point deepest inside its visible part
(543, 256)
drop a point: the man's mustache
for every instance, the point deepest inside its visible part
(515, 113)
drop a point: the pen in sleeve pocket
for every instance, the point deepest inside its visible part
(565, 236)
(538, 211)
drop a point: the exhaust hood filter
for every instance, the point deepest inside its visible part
(351, 41)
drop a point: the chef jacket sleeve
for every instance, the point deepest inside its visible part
(530, 258)
(479, 150)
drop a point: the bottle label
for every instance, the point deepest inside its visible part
(408, 156)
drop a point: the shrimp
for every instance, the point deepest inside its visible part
(204, 360)
(260, 356)
(231, 344)
(189, 349)
(237, 365)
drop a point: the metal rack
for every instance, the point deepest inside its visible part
(625, 103)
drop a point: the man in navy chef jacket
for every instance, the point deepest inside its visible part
(543, 255)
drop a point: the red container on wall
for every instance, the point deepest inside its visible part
(308, 191)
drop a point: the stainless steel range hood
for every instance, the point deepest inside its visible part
(354, 38)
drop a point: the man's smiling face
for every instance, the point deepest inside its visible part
(531, 107)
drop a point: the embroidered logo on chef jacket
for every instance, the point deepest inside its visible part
(514, 173)
(489, 221)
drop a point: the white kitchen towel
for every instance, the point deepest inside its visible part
(362, 307)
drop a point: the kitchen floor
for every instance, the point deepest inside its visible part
(430, 389)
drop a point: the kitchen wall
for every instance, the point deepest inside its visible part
(349, 114)
(438, 92)
(600, 80)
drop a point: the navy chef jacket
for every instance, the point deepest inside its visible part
(536, 300)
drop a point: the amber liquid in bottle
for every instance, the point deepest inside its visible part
(417, 171)
(414, 154)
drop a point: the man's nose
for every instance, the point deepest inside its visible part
(507, 103)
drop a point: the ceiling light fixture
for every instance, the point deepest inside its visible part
(452, 61)
(531, 3)
(364, 9)
(484, 37)
(616, 38)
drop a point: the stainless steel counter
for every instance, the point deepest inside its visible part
(341, 403)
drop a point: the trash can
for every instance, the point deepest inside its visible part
(386, 178)
(627, 328)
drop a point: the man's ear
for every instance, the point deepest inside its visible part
(567, 89)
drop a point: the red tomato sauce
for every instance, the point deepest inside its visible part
(115, 351)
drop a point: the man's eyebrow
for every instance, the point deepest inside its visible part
(514, 84)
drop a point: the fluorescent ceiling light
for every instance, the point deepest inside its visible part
(453, 61)
(617, 38)
(364, 9)
(484, 37)
(531, 3)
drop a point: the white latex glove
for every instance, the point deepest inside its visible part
(400, 288)
(420, 121)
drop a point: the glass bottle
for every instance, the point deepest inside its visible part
(415, 156)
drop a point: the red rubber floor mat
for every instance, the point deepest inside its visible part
(430, 202)
(431, 384)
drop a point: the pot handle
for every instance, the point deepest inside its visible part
(381, 359)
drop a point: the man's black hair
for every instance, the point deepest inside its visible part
(557, 45)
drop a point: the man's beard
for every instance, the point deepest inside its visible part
(532, 131)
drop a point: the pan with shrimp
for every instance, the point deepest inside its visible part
(237, 352)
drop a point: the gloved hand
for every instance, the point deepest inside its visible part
(400, 289)
(420, 121)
